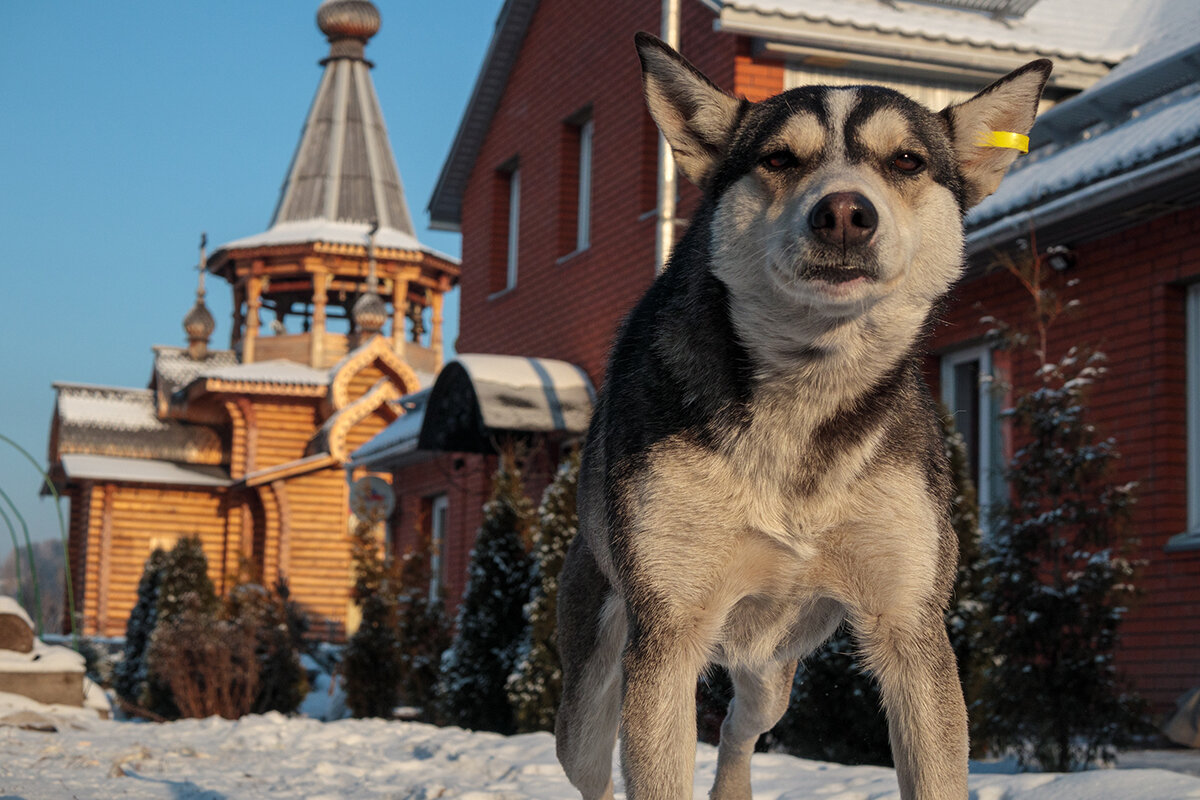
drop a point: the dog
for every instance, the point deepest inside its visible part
(764, 461)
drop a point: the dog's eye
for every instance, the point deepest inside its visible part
(779, 160)
(908, 163)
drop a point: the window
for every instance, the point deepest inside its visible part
(1190, 539)
(514, 227)
(583, 215)
(575, 184)
(439, 513)
(967, 393)
(506, 228)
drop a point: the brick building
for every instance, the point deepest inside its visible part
(554, 181)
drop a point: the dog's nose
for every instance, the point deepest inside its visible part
(844, 218)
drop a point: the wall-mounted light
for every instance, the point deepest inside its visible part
(1060, 258)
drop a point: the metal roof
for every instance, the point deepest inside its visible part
(1122, 152)
(480, 398)
(276, 371)
(1095, 30)
(343, 174)
(81, 466)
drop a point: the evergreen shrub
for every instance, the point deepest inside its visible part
(491, 623)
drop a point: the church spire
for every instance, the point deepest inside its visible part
(343, 169)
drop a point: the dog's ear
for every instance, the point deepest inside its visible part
(695, 116)
(982, 128)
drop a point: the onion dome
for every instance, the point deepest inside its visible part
(348, 24)
(198, 323)
(370, 313)
(199, 326)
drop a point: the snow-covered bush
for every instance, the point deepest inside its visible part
(1058, 578)
(491, 622)
(535, 686)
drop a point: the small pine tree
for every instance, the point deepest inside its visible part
(129, 675)
(183, 583)
(371, 664)
(1058, 580)
(423, 631)
(491, 622)
(535, 686)
(278, 628)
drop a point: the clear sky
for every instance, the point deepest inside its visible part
(127, 128)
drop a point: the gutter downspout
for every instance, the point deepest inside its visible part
(667, 177)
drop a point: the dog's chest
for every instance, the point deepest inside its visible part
(778, 475)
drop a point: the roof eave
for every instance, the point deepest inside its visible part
(445, 205)
(792, 37)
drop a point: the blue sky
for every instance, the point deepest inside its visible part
(130, 127)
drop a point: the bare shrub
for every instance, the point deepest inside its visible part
(209, 664)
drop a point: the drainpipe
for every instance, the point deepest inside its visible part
(667, 177)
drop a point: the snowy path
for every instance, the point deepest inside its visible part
(276, 757)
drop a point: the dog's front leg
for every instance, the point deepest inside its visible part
(658, 716)
(912, 659)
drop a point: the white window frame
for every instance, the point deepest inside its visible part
(439, 517)
(514, 227)
(583, 219)
(1190, 539)
(990, 470)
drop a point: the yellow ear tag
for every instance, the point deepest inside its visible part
(1007, 140)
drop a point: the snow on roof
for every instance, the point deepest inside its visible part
(80, 466)
(1094, 30)
(275, 371)
(174, 368)
(116, 421)
(324, 230)
(1133, 136)
(398, 438)
(108, 407)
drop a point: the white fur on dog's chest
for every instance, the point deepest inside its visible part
(749, 553)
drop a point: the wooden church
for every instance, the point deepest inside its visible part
(247, 448)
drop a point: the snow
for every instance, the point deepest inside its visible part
(9, 605)
(43, 658)
(272, 756)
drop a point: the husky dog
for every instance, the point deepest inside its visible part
(764, 461)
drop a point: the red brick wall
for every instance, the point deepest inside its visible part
(1132, 308)
(574, 55)
(465, 480)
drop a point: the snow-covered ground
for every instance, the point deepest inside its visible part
(273, 756)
